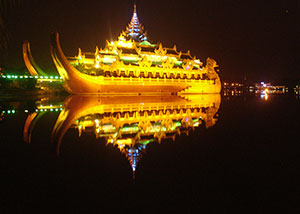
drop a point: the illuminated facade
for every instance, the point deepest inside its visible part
(132, 122)
(133, 65)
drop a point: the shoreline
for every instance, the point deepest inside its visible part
(6, 94)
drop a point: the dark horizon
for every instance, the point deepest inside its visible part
(252, 39)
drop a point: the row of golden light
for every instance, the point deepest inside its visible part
(113, 123)
(118, 69)
(159, 57)
(39, 78)
(50, 108)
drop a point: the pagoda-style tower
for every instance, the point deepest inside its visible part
(134, 154)
(135, 30)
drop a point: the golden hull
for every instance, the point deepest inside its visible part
(103, 85)
(80, 83)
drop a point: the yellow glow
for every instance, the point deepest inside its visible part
(109, 60)
(47, 107)
(97, 65)
(129, 132)
(127, 141)
(169, 74)
(122, 42)
(132, 58)
(266, 94)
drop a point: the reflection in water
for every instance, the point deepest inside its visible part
(132, 122)
(265, 94)
(33, 117)
(128, 122)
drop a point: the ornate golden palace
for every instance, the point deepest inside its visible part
(133, 66)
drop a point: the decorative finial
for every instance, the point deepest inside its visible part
(135, 29)
(134, 7)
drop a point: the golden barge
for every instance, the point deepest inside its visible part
(133, 65)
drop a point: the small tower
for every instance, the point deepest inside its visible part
(134, 154)
(135, 29)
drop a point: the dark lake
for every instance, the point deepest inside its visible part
(150, 154)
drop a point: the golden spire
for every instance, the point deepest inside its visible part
(134, 11)
(134, 29)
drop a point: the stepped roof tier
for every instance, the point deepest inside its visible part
(135, 30)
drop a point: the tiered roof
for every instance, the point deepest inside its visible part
(135, 29)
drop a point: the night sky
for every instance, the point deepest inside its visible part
(255, 39)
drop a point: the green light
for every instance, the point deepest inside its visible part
(146, 142)
(8, 77)
(56, 77)
(4, 76)
(196, 124)
(13, 111)
(21, 77)
(8, 111)
(147, 43)
(41, 77)
(51, 77)
(26, 77)
(36, 77)
(177, 124)
(130, 128)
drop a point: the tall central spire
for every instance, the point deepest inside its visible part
(134, 12)
(135, 30)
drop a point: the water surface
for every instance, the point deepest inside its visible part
(144, 154)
